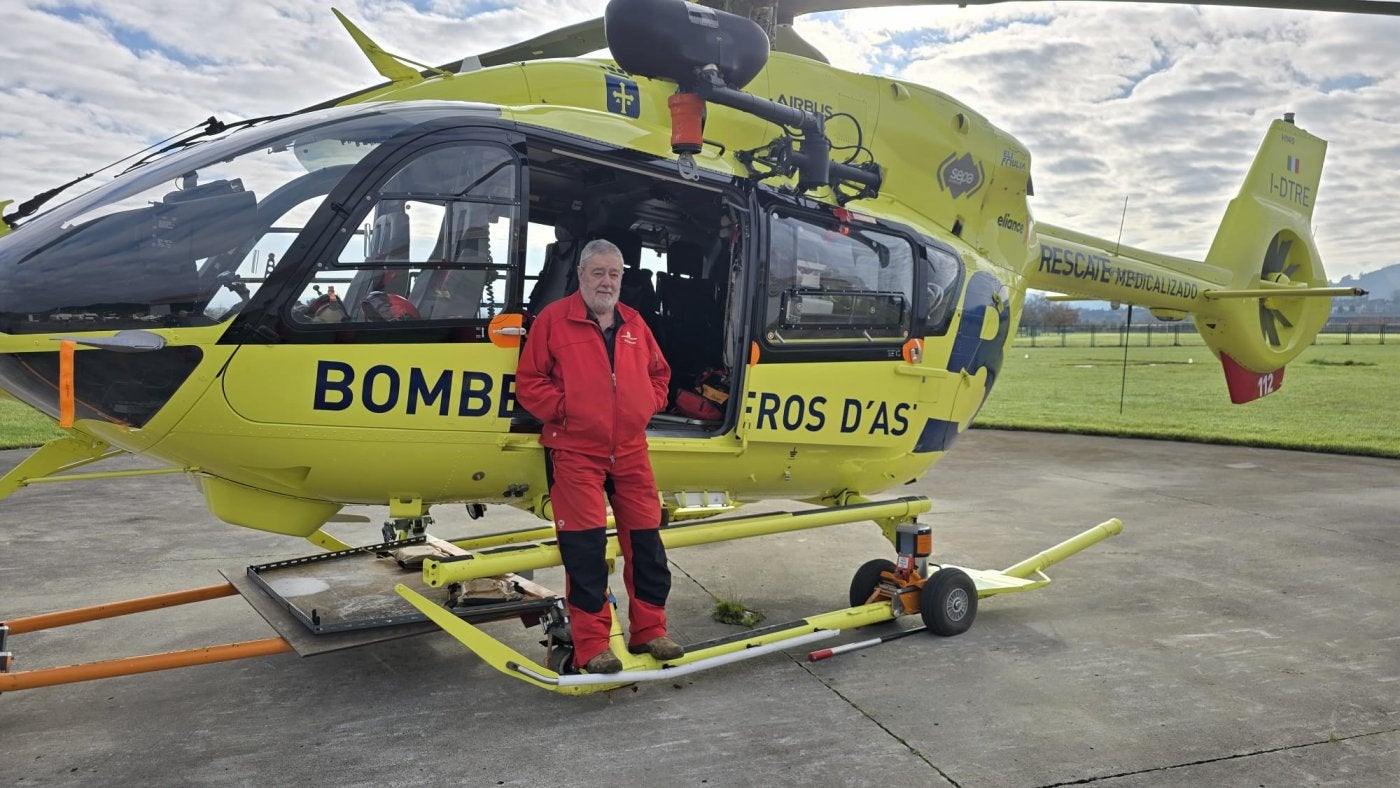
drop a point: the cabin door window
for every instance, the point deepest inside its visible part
(436, 244)
(833, 283)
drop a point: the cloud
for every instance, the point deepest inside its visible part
(1163, 105)
(85, 83)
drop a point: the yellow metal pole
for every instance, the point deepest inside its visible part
(519, 559)
(505, 538)
(1284, 291)
(782, 522)
(30, 679)
(84, 477)
(1064, 549)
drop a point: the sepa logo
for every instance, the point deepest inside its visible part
(626, 336)
(959, 176)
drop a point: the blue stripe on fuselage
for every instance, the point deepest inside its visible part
(970, 353)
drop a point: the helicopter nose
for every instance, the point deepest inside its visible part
(124, 379)
(126, 389)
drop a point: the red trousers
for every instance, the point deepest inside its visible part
(577, 486)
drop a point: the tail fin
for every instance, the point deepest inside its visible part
(1265, 241)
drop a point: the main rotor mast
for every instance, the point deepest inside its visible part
(763, 13)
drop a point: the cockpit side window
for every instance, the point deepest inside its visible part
(434, 244)
(942, 275)
(834, 282)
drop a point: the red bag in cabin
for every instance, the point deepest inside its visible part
(693, 406)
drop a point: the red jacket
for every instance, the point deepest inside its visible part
(564, 380)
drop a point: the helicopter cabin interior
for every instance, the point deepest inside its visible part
(682, 258)
(440, 245)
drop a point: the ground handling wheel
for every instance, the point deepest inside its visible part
(948, 602)
(561, 660)
(867, 577)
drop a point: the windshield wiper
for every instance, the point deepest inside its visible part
(208, 128)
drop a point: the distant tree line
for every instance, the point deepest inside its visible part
(1041, 312)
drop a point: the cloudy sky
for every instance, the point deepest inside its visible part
(1163, 105)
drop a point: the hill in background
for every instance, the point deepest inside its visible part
(1383, 283)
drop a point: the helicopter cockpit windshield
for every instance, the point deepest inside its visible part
(179, 241)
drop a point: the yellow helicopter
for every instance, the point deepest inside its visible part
(833, 263)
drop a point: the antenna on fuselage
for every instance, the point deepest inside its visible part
(1128, 328)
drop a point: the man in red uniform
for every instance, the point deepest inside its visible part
(592, 372)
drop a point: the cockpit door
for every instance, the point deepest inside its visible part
(389, 322)
(834, 311)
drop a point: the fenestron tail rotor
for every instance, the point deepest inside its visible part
(1276, 271)
(1274, 260)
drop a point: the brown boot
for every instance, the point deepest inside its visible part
(606, 662)
(662, 648)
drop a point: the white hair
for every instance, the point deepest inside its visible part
(596, 247)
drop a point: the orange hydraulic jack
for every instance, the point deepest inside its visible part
(29, 679)
(946, 600)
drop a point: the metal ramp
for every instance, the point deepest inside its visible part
(343, 599)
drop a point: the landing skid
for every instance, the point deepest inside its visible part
(889, 597)
(643, 668)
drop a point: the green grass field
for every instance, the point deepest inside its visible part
(21, 426)
(1336, 398)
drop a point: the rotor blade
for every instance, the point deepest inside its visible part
(1276, 256)
(1279, 316)
(572, 41)
(1266, 324)
(1291, 270)
(793, 44)
(788, 9)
